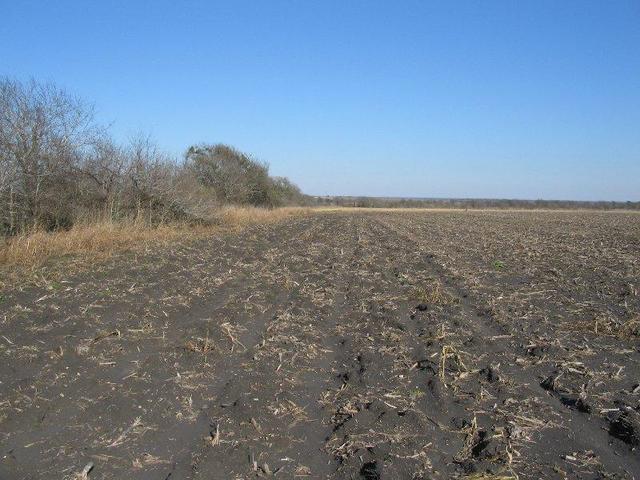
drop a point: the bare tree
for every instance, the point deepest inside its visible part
(43, 133)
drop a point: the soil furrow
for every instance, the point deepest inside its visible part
(571, 430)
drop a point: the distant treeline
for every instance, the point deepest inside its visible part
(471, 203)
(58, 167)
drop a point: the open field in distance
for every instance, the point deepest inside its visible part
(364, 344)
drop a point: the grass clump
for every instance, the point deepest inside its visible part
(433, 293)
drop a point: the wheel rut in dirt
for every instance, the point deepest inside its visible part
(486, 353)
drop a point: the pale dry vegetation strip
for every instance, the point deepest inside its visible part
(242, 216)
(22, 254)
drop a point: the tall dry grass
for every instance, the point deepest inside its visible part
(100, 239)
(242, 216)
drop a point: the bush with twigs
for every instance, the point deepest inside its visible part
(59, 167)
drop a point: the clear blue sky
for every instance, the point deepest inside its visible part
(519, 99)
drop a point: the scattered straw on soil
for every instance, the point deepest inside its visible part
(20, 256)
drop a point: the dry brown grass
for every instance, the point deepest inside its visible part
(21, 255)
(99, 239)
(432, 293)
(242, 216)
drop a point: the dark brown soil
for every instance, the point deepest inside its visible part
(364, 345)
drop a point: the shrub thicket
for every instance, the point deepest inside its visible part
(234, 177)
(58, 167)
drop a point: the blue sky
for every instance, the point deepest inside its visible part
(536, 99)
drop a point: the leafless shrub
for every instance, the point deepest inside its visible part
(59, 167)
(44, 133)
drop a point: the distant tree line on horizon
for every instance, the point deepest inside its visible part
(58, 166)
(471, 203)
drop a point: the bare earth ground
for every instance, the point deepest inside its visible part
(359, 345)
